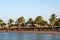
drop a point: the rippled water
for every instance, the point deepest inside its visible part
(28, 36)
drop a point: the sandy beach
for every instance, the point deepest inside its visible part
(41, 32)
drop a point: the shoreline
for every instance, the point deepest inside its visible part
(35, 32)
(41, 32)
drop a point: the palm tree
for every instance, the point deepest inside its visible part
(3, 25)
(30, 22)
(1, 21)
(38, 20)
(52, 20)
(10, 22)
(20, 21)
(57, 23)
(44, 23)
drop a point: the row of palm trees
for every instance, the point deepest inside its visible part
(38, 22)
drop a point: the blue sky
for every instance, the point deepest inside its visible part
(28, 8)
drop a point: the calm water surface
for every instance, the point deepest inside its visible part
(28, 36)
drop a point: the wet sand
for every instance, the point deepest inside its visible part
(39, 32)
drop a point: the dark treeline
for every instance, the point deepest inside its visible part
(38, 22)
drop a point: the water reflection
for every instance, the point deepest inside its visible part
(28, 36)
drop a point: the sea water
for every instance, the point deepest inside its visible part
(27, 36)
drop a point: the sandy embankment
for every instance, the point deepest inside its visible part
(41, 32)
